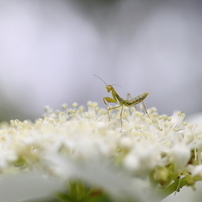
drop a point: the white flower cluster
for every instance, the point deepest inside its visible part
(76, 143)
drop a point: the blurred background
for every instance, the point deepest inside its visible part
(49, 51)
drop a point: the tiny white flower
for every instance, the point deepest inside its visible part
(142, 158)
(197, 171)
(180, 155)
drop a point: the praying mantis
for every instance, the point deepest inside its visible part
(116, 98)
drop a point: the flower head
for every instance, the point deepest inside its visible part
(74, 144)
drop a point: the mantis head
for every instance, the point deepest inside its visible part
(109, 88)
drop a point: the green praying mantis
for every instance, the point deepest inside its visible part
(116, 98)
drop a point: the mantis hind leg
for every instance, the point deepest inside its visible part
(128, 96)
(121, 117)
(145, 108)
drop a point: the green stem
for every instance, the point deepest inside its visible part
(174, 187)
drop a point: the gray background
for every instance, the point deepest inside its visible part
(49, 51)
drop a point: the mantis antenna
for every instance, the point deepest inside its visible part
(100, 79)
(106, 83)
